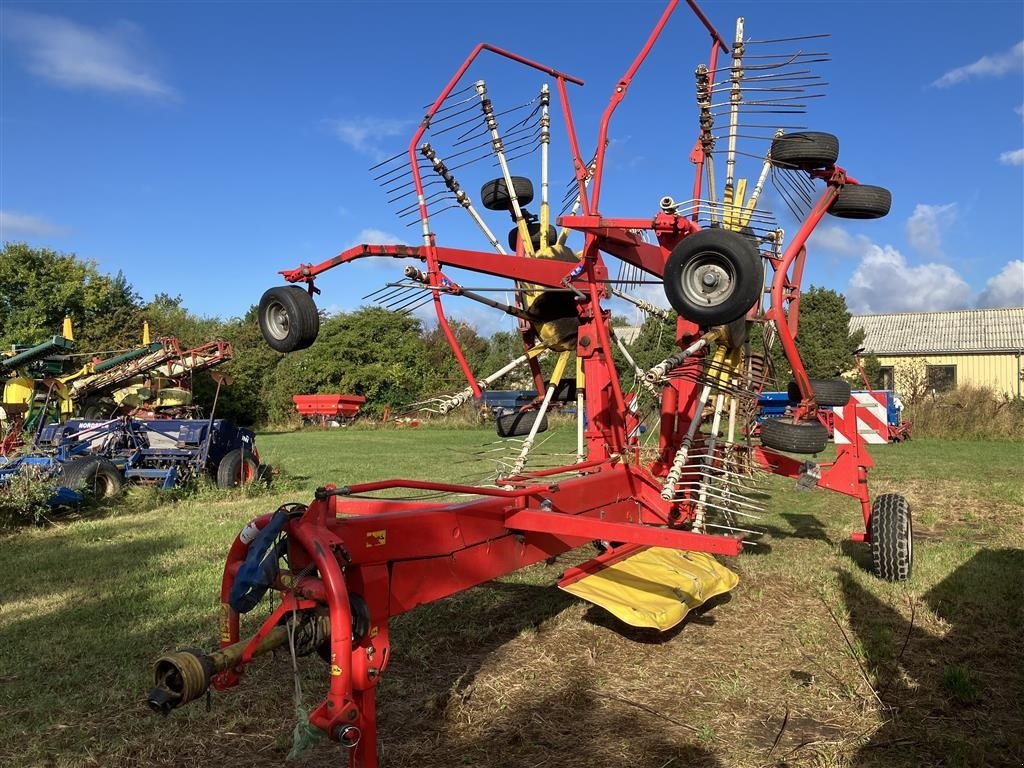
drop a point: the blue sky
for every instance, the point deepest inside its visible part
(201, 147)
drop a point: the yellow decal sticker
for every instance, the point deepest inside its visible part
(225, 623)
(376, 538)
(335, 670)
(373, 631)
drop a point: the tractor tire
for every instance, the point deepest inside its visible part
(830, 392)
(534, 229)
(803, 437)
(805, 151)
(861, 201)
(713, 277)
(288, 318)
(237, 467)
(892, 537)
(494, 194)
(93, 474)
(519, 424)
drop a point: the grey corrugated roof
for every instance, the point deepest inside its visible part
(969, 330)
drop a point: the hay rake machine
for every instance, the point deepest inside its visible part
(349, 560)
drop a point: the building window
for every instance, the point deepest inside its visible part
(940, 378)
(886, 377)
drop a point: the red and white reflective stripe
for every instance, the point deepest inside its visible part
(872, 419)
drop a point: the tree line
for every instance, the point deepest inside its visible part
(389, 358)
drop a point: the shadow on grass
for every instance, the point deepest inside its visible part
(700, 615)
(955, 697)
(85, 611)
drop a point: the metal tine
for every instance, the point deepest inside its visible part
(474, 160)
(388, 160)
(450, 103)
(390, 288)
(732, 497)
(401, 302)
(431, 198)
(435, 120)
(397, 172)
(410, 309)
(815, 36)
(470, 135)
(713, 505)
(522, 154)
(426, 184)
(437, 212)
(474, 148)
(399, 294)
(508, 111)
(797, 74)
(452, 95)
(723, 484)
(732, 528)
(710, 467)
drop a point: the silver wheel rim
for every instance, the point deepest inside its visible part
(277, 320)
(708, 279)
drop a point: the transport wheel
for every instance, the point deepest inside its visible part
(801, 437)
(892, 537)
(805, 151)
(98, 476)
(288, 318)
(495, 197)
(238, 467)
(534, 229)
(519, 424)
(713, 277)
(95, 408)
(832, 392)
(861, 201)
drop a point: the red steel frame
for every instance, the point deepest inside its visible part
(399, 554)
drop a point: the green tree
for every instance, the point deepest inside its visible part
(39, 286)
(370, 352)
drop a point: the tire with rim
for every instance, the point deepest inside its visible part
(892, 537)
(288, 318)
(713, 277)
(861, 201)
(94, 475)
(495, 197)
(737, 333)
(519, 424)
(830, 392)
(801, 437)
(237, 467)
(97, 409)
(805, 150)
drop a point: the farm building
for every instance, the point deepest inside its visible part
(938, 351)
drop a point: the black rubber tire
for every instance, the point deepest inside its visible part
(288, 318)
(494, 194)
(237, 467)
(802, 437)
(519, 423)
(892, 537)
(861, 201)
(830, 392)
(93, 474)
(737, 332)
(534, 229)
(805, 150)
(97, 409)
(718, 253)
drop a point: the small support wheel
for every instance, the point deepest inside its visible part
(805, 151)
(98, 476)
(861, 201)
(800, 437)
(519, 424)
(288, 318)
(713, 277)
(238, 467)
(494, 194)
(534, 229)
(830, 392)
(892, 537)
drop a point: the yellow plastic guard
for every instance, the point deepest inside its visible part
(656, 587)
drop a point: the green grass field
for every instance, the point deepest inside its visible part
(809, 662)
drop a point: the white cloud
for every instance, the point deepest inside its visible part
(364, 134)
(992, 65)
(75, 56)
(835, 239)
(1013, 157)
(926, 224)
(373, 236)
(12, 223)
(1019, 110)
(885, 282)
(1005, 289)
